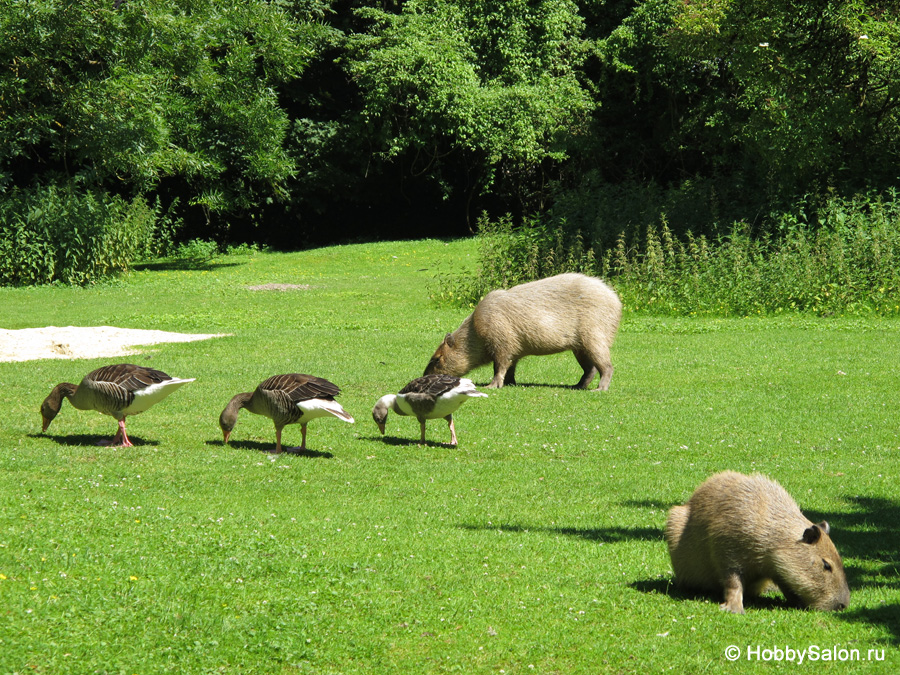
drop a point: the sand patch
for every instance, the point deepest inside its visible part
(279, 287)
(75, 342)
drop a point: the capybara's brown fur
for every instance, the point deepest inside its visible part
(738, 534)
(566, 312)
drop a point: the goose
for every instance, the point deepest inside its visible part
(427, 398)
(286, 399)
(119, 390)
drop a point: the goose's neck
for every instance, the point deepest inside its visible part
(382, 406)
(60, 391)
(229, 416)
(51, 405)
(389, 402)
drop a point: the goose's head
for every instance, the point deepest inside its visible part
(229, 416)
(380, 411)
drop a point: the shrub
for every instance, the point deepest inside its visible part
(60, 234)
(843, 259)
(509, 255)
(197, 251)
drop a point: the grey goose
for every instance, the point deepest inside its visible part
(427, 398)
(118, 390)
(286, 399)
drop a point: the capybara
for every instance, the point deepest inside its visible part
(738, 534)
(566, 312)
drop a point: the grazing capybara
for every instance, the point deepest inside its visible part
(566, 312)
(738, 534)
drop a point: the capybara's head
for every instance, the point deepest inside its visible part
(444, 359)
(813, 572)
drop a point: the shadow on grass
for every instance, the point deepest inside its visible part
(532, 385)
(269, 448)
(407, 442)
(74, 440)
(869, 533)
(605, 535)
(666, 586)
(887, 616)
(184, 265)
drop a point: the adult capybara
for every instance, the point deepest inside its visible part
(739, 534)
(566, 312)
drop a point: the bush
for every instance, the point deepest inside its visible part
(843, 259)
(60, 234)
(509, 255)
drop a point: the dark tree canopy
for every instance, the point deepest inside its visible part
(300, 122)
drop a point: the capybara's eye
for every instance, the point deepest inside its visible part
(827, 565)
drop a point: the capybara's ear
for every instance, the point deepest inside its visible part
(812, 534)
(449, 340)
(825, 527)
(432, 364)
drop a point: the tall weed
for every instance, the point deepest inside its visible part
(843, 259)
(62, 234)
(509, 255)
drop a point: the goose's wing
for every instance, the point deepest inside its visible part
(111, 389)
(128, 376)
(429, 386)
(299, 387)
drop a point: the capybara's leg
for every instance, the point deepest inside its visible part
(590, 370)
(510, 377)
(734, 594)
(501, 365)
(599, 357)
(606, 373)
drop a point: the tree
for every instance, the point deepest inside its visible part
(803, 96)
(122, 96)
(486, 88)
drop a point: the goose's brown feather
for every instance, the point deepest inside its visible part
(128, 376)
(431, 385)
(299, 387)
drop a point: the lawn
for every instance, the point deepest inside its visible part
(534, 547)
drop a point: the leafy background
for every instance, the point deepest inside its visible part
(293, 123)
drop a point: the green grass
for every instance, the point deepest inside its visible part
(534, 547)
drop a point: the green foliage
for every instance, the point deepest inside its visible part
(291, 121)
(842, 261)
(74, 237)
(493, 81)
(197, 250)
(845, 262)
(148, 91)
(786, 95)
(603, 210)
(509, 255)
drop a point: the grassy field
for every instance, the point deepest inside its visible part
(534, 547)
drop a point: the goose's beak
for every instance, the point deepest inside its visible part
(46, 423)
(225, 435)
